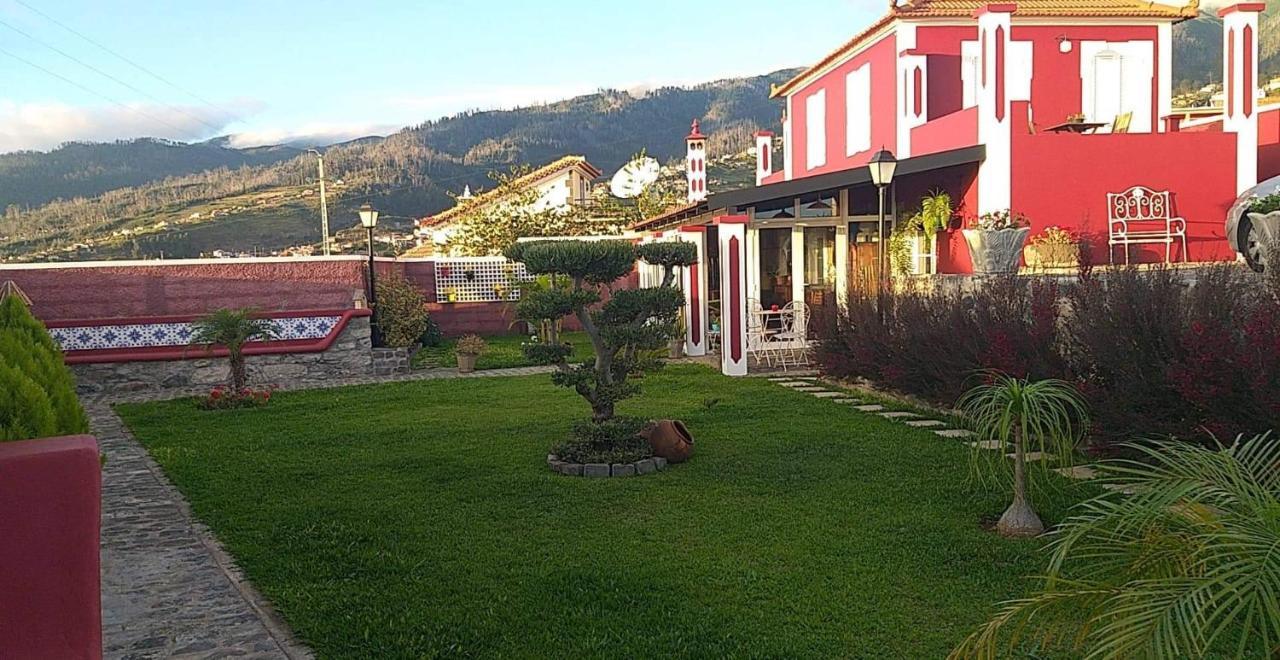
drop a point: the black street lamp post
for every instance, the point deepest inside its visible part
(369, 220)
(882, 166)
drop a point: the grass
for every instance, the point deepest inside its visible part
(419, 519)
(503, 353)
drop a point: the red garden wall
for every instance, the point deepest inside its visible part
(1090, 166)
(50, 492)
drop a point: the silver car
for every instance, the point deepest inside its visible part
(1244, 237)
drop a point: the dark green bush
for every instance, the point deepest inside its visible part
(401, 314)
(37, 391)
(615, 440)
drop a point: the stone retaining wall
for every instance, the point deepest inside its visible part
(391, 361)
(348, 356)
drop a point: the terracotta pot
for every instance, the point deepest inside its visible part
(466, 363)
(669, 439)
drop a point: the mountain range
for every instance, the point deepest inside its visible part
(147, 197)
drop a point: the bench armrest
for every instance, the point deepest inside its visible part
(1119, 227)
(1180, 223)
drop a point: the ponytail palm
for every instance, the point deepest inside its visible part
(232, 329)
(1020, 414)
(1187, 566)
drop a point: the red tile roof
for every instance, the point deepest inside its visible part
(926, 9)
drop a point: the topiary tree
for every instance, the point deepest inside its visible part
(37, 391)
(625, 330)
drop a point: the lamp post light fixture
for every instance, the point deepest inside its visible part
(369, 220)
(882, 166)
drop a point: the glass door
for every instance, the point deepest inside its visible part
(819, 266)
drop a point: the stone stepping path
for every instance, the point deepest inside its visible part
(828, 395)
(954, 433)
(810, 389)
(1033, 456)
(795, 383)
(847, 400)
(870, 407)
(987, 444)
(1077, 472)
(924, 423)
(898, 415)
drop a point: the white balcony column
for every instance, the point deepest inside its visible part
(1240, 84)
(994, 121)
(797, 264)
(694, 283)
(733, 294)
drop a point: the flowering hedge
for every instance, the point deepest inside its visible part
(222, 398)
(1153, 355)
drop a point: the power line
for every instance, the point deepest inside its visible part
(108, 76)
(93, 92)
(126, 60)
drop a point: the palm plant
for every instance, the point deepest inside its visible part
(1185, 566)
(232, 329)
(1020, 413)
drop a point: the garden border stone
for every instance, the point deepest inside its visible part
(603, 470)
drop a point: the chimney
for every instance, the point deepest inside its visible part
(695, 164)
(764, 155)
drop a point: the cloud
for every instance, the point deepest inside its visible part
(43, 126)
(309, 135)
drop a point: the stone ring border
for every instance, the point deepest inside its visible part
(603, 470)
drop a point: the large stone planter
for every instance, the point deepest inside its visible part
(1051, 255)
(996, 251)
(466, 363)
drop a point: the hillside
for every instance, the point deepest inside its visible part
(245, 206)
(1197, 49)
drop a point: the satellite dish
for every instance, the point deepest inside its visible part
(631, 179)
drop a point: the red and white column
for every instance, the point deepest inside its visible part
(733, 294)
(1240, 84)
(694, 283)
(695, 164)
(764, 155)
(994, 123)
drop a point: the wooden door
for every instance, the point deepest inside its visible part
(864, 270)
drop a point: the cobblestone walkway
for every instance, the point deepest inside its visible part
(168, 588)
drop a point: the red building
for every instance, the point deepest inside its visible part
(1040, 107)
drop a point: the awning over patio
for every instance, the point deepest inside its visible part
(736, 201)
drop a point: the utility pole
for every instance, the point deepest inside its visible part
(324, 208)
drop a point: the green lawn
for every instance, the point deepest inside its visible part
(419, 519)
(504, 352)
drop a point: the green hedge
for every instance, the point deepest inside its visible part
(37, 391)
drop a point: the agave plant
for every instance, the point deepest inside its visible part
(1186, 565)
(232, 329)
(1022, 414)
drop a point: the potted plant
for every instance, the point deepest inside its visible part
(921, 229)
(468, 348)
(1264, 218)
(1055, 247)
(675, 346)
(995, 241)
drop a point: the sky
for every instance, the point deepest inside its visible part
(270, 71)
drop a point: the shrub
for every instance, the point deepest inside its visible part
(221, 398)
(470, 345)
(431, 334)
(1152, 355)
(616, 440)
(37, 391)
(401, 313)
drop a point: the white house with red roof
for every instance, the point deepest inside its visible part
(1042, 107)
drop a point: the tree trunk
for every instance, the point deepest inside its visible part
(601, 412)
(1019, 520)
(237, 372)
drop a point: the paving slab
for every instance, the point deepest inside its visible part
(1034, 456)
(1077, 472)
(924, 423)
(955, 433)
(987, 444)
(870, 407)
(897, 414)
(810, 389)
(847, 400)
(828, 395)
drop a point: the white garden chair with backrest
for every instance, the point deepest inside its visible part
(796, 331)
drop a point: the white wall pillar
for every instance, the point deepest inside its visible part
(695, 293)
(1240, 84)
(1164, 75)
(842, 263)
(764, 155)
(753, 262)
(733, 294)
(797, 264)
(994, 121)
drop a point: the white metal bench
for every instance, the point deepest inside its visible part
(1141, 215)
